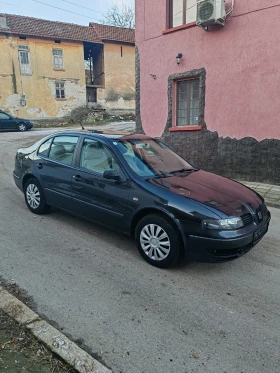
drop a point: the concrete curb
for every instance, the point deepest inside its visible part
(51, 337)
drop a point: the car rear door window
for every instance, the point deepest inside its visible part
(96, 157)
(44, 148)
(63, 148)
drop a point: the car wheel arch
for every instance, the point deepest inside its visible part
(26, 177)
(152, 211)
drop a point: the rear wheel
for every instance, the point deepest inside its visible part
(22, 127)
(34, 197)
(158, 241)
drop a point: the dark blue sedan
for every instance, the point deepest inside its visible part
(137, 185)
(10, 123)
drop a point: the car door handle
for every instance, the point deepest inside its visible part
(40, 165)
(78, 178)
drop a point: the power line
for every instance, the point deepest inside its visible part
(64, 10)
(20, 7)
(192, 6)
(82, 6)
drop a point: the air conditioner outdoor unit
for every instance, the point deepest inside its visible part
(210, 12)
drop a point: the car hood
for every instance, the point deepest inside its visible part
(223, 194)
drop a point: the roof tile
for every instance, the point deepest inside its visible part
(114, 33)
(21, 25)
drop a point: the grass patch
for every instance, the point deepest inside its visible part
(21, 352)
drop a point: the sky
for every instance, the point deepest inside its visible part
(92, 11)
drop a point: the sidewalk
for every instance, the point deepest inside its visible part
(271, 193)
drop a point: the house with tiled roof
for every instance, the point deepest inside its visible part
(49, 68)
(119, 66)
(113, 33)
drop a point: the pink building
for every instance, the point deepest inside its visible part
(220, 106)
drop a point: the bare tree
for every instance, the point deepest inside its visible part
(120, 15)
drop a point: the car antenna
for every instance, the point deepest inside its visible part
(96, 131)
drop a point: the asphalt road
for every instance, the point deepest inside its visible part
(196, 317)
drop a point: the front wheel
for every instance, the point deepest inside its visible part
(22, 127)
(158, 241)
(34, 197)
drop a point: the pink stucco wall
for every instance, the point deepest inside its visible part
(242, 63)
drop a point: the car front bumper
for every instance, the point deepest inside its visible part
(206, 249)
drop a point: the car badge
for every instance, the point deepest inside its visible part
(260, 216)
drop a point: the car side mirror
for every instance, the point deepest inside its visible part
(111, 174)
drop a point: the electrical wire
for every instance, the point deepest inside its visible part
(64, 10)
(228, 12)
(82, 6)
(192, 6)
(29, 10)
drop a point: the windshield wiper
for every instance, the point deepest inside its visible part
(162, 174)
(184, 170)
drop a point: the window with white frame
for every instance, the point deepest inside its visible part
(182, 12)
(59, 90)
(58, 62)
(187, 106)
(24, 60)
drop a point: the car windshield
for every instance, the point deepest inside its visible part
(151, 158)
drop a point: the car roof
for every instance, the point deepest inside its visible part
(108, 135)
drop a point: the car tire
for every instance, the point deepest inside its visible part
(22, 127)
(34, 197)
(158, 241)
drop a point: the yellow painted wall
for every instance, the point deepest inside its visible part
(119, 76)
(39, 88)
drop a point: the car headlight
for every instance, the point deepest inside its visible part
(232, 223)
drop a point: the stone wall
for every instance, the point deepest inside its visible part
(244, 159)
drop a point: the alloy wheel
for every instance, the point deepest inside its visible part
(22, 127)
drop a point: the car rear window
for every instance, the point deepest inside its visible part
(44, 148)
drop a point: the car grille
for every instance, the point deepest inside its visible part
(264, 209)
(261, 212)
(247, 219)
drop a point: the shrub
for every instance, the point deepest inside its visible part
(128, 96)
(112, 95)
